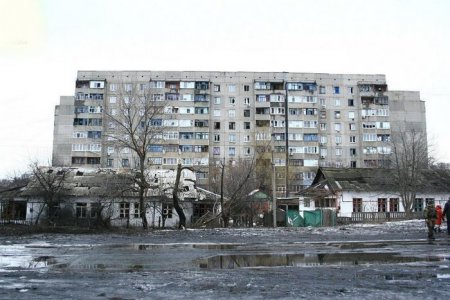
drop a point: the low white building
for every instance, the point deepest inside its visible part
(110, 197)
(361, 193)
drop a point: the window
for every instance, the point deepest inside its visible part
(337, 126)
(352, 126)
(231, 151)
(247, 125)
(157, 84)
(113, 87)
(216, 113)
(231, 88)
(216, 100)
(322, 90)
(124, 210)
(216, 150)
(216, 125)
(352, 139)
(80, 135)
(231, 113)
(110, 163)
(382, 204)
(357, 205)
(232, 100)
(217, 88)
(94, 209)
(338, 151)
(232, 137)
(418, 205)
(351, 115)
(246, 88)
(217, 138)
(247, 101)
(352, 151)
(81, 210)
(352, 164)
(393, 204)
(337, 102)
(128, 87)
(167, 211)
(247, 113)
(125, 162)
(94, 134)
(337, 114)
(232, 125)
(336, 89)
(351, 102)
(137, 210)
(112, 99)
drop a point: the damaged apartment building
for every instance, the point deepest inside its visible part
(291, 122)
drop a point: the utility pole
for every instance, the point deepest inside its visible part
(286, 137)
(274, 195)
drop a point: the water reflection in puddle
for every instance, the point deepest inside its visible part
(306, 259)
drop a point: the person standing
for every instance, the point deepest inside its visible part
(439, 218)
(430, 218)
(446, 214)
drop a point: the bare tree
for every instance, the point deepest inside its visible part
(49, 184)
(236, 181)
(135, 124)
(176, 199)
(409, 158)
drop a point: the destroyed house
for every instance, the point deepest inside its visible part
(111, 197)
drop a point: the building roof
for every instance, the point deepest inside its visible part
(113, 183)
(375, 180)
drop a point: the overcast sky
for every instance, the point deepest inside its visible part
(44, 42)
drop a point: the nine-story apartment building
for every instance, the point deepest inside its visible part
(288, 122)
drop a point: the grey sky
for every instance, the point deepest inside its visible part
(43, 44)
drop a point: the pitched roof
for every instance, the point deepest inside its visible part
(368, 179)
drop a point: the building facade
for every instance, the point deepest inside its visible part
(291, 123)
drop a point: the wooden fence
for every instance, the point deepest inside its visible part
(378, 217)
(8, 221)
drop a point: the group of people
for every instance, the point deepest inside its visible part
(434, 216)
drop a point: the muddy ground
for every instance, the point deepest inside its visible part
(383, 261)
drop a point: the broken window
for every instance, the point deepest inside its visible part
(124, 210)
(81, 210)
(167, 211)
(137, 210)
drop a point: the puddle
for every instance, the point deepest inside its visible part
(305, 260)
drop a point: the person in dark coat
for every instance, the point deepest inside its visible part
(446, 214)
(429, 214)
